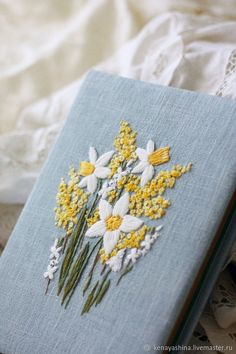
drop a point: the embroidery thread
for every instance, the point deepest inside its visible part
(106, 199)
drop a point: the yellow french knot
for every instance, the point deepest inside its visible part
(86, 168)
(113, 223)
(159, 156)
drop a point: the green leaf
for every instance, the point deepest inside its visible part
(89, 300)
(126, 271)
(90, 274)
(75, 271)
(103, 292)
(102, 284)
(79, 272)
(70, 252)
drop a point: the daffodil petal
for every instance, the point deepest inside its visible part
(92, 183)
(102, 172)
(147, 175)
(105, 209)
(150, 146)
(142, 154)
(130, 223)
(140, 167)
(122, 205)
(83, 183)
(92, 155)
(104, 159)
(110, 240)
(97, 229)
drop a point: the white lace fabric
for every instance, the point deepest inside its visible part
(188, 44)
(228, 86)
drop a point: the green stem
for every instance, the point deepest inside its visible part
(101, 285)
(89, 300)
(65, 239)
(127, 269)
(46, 290)
(78, 273)
(75, 271)
(61, 241)
(103, 292)
(70, 252)
(94, 203)
(90, 274)
(103, 269)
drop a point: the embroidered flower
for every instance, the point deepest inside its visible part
(120, 173)
(104, 190)
(114, 214)
(94, 169)
(50, 271)
(113, 183)
(113, 220)
(55, 251)
(54, 260)
(156, 233)
(133, 255)
(147, 242)
(149, 158)
(115, 262)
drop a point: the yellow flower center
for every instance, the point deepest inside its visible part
(86, 168)
(159, 156)
(113, 222)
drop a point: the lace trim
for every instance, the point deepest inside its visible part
(230, 72)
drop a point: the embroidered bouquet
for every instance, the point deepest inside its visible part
(104, 208)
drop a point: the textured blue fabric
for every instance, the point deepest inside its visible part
(143, 308)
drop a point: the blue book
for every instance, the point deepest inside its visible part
(127, 227)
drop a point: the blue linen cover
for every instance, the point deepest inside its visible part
(143, 309)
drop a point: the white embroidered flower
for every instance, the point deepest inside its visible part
(50, 271)
(94, 169)
(156, 233)
(119, 174)
(54, 260)
(113, 220)
(104, 190)
(115, 262)
(149, 158)
(112, 184)
(159, 228)
(133, 255)
(147, 242)
(55, 251)
(144, 252)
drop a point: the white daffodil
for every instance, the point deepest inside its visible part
(149, 158)
(115, 262)
(94, 169)
(113, 221)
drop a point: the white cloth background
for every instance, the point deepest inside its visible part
(47, 47)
